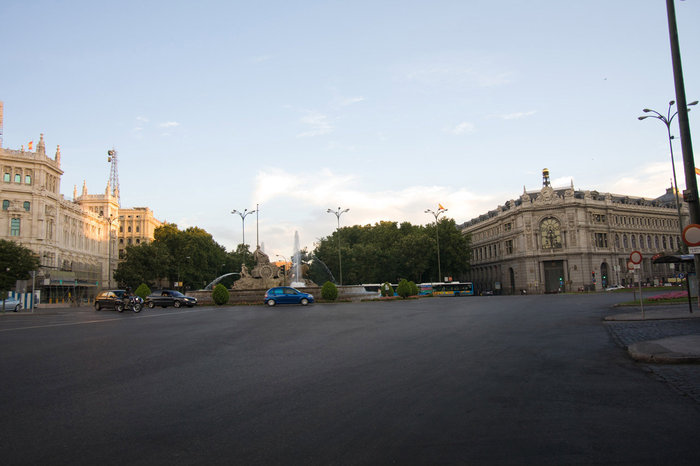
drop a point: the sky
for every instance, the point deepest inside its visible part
(386, 108)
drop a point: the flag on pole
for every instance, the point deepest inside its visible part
(697, 171)
(442, 208)
(31, 143)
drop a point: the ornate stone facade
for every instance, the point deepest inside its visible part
(76, 249)
(563, 239)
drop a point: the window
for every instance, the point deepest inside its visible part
(509, 246)
(5, 204)
(508, 227)
(129, 230)
(601, 240)
(27, 179)
(138, 229)
(634, 242)
(625, 244)
(14, 227)
(6, 177)
(648, 242)
(18, 178)
(663, 240)
(550, 233)
(617, 241)
(27, 205)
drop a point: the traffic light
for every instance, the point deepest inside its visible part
(593, 276)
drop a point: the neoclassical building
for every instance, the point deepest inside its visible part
(561, 239)
(78, 241)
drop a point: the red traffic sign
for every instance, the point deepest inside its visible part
(630, 265)
(691, 235)
(636, 257)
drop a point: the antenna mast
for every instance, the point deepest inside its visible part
(114, 174)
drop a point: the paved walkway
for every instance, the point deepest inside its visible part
(680, 349)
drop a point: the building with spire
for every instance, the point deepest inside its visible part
(78, 241)
(563, 239)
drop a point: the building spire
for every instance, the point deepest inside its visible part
(41, 147)
(58, 155)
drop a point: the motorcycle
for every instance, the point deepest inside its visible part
(135, 303)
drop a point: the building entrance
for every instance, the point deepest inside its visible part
(553, 276)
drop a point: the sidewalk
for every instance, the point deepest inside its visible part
(673, 350)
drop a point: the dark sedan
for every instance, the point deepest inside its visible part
(165, 298)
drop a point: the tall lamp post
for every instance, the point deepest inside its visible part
(338, 213)
(243, 216)
(667, 120)
(436, 214)
(111, 220)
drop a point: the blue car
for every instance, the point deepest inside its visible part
(287, 295)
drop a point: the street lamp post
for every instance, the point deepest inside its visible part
(111, 220)
(436, 214)
(667, 120)
(243, 216)
(338, 213)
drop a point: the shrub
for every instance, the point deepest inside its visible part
(414, 288)
(329, 291)
(403, 289)
(142, 291)
(386, 289)
(220, 295)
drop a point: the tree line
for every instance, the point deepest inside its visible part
(389, 251)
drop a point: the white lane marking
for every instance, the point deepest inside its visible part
(100, 321)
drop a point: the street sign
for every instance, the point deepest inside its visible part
(636, 257)
(630, 265)
(691, 235)
(694, 249)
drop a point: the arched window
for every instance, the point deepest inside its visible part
(648, 242)
(625, 244)
(617, 241)
(656, 242)
(550, 233)
(663, 241)
(27, 205)
(641, 242)
(634, 242)
(14, 227)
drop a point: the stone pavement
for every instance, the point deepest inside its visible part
(666, 343)
(659, 334)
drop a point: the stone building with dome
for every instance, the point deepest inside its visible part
(563, 239)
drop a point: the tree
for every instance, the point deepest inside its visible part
(403, 289)
(191, 256)
(16, 263)
(388, 250)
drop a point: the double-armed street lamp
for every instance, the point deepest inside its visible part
(338, 213)
(436, 214)
(667, 120)
(243, 216)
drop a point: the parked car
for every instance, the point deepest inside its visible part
(165, 298)
(615, 287)
(287, 295)
(11, 304)
(112, 299)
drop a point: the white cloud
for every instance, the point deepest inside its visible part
(142, 119)
(169, 124)
(299, 201)
(317, 123)
(464, 127)
(345, 101)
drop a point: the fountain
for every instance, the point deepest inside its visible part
(298, 280)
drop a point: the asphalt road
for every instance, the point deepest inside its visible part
(478, 380)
